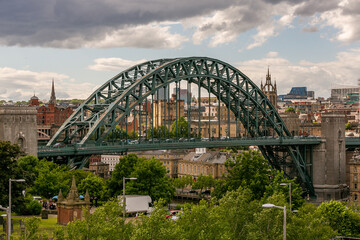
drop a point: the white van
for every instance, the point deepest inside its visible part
(138, 203)
(37, 198)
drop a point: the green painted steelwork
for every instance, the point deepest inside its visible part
(110, 105)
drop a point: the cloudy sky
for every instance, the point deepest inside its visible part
(83, 43)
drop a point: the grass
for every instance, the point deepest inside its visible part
(47, 226)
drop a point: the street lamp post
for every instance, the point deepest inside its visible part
(269, 205)
(9, 208)
(285, 184)
(124, 202)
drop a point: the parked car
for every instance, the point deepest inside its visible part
(37, 198)
(173, 215)
(59, 145)
(207, 192)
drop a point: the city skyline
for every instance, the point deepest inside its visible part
(305, 43)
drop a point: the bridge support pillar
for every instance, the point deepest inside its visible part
(329, 166)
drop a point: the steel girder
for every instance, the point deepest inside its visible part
(114, 100)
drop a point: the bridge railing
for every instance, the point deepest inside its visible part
(75, 147)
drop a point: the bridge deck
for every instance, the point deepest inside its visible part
(117, 147)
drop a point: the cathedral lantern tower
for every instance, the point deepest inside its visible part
(270, 90)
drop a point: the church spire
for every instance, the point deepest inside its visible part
(52, 97)
(268, 78)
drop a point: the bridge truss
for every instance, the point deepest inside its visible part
(135, 107)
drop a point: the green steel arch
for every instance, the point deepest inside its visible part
(112, 103)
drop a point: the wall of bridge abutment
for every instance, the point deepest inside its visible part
(329, 160)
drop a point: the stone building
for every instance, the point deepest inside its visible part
(354, 181)
(18, 125)
(100, 169)
(70, 208)
(169, 159)
(166, 112)
(205, 163)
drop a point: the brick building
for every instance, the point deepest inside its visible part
(49, 117)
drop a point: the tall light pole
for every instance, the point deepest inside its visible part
(269, 205)
(285, 184)
(9, 208)
(124, 202)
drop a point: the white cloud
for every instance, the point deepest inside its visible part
(319, 77)
(113, 64)
(143, 36)
(22, 84)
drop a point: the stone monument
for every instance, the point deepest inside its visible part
(71, 208)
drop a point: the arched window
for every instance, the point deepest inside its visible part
(20, 142)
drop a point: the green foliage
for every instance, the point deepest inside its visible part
(124, 168)
(182, 182)
(307, 224)
(29, 167)
(150, 174)
(236, 210)
(31, 227)
(348, 126)
(95, 186)
(117, 134)
(200, 222)
(133, 135)
(203, 182)
(9, 153)
(52, 177)
(290, 110)
(180, 128)
(151, 180)
(268, 222)
(156, 226)
(340, 218)
(248, 170)
(105, 223)
(274, 187)
(160, 132)
(33, 207)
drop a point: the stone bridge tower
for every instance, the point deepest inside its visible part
(329, 165)
(18, 125)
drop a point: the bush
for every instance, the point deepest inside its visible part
(33, 207)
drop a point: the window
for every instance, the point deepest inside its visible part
(355, 196)
(355, 185)
(355, 177)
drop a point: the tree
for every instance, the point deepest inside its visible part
(180, 128)
(155, 226)
(203, 182)
(239, 210)
(290, 110)
(267, 223)
(248, 170)
(95, 186)
(124, 168)
(105, 223)
(9, 153)
(340, 218)
(52, 178)
(28, 165)
(274, 187)
(182, 182)
(307, 224)
(160, 132)
(151, 180)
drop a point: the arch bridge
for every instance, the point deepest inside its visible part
(181, 103)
